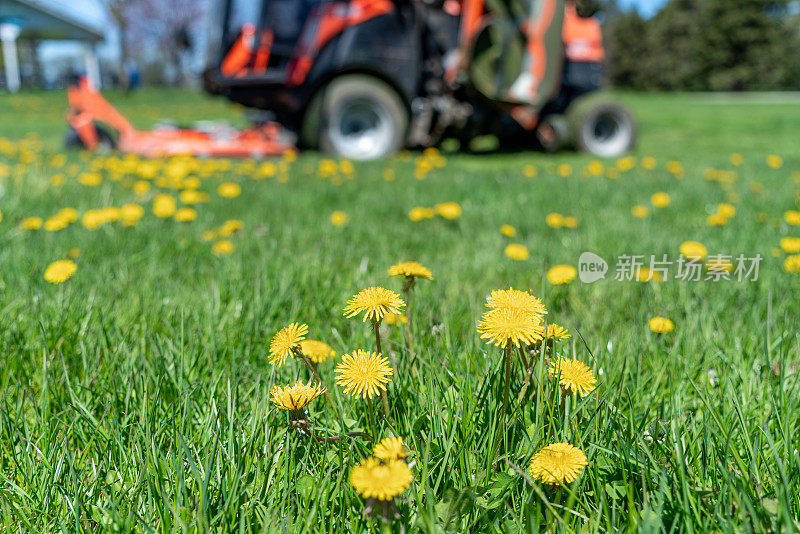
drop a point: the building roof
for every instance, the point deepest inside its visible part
(40, 20)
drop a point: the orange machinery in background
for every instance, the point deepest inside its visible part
(88, 107)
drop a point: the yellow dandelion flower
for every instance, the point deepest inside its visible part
(555, 331)
(558, 463)
(363, 374)
(640, 212)
(693, 250)
(661, 325)
(316, 351)
(649, 163)
(517, 252)
(131, 213)
(419, 213)
(222, 247)
(674, 167)
(346, 167)
(448, 210)
(185, 215)
(189, 196)
(339, 218)
(660, 200)
(717, 219)
(792, 217)
(774, 161)
(645, 274)
(792, 264)
(726, 210)
(230, 227)
(68, 214)
(55, 223)
(736, 159)
(561, 274)
(229, 190)
(790, 245)
(285, 341)
(111, 213)
(390, 449)
(517, 300)
(296, 397)
(410, 269)
(384, 482)
(93, 219)
(595, 168)
(554, 220)
(192, 182)
(573, 375)
(141, 187)
(31, 223)
(719, 265)
(164, 206)
(529, 171)
(60, 271)
(508, 230)
(570, 222)
(374, 302)
(509, 325)
(90, 178)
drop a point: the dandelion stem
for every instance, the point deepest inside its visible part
(385, 400)
(371, 415)
(507, 354)
(528, 371)
(319, 380)
(376, 327)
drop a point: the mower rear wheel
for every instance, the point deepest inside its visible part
(359, 117)
(601, 126)
(552, 133)
(105, 141)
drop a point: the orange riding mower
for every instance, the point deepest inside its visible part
(364, 78)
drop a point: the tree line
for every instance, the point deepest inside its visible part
(705, 45)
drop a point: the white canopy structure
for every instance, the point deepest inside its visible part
(32, 19)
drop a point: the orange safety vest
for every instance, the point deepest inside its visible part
(583, 39)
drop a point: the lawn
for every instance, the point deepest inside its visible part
(136, 394)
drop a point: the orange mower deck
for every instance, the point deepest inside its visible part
(87, 106)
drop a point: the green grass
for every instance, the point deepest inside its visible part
(135, 395)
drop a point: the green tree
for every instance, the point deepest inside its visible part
(626, 47)
(743, 45)
(672, 39)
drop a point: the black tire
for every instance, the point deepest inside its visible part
(312, 122)
(552, 133)
(105, 141)
(356, 116)
(601, 126)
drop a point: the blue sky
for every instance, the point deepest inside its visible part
(647, 8)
